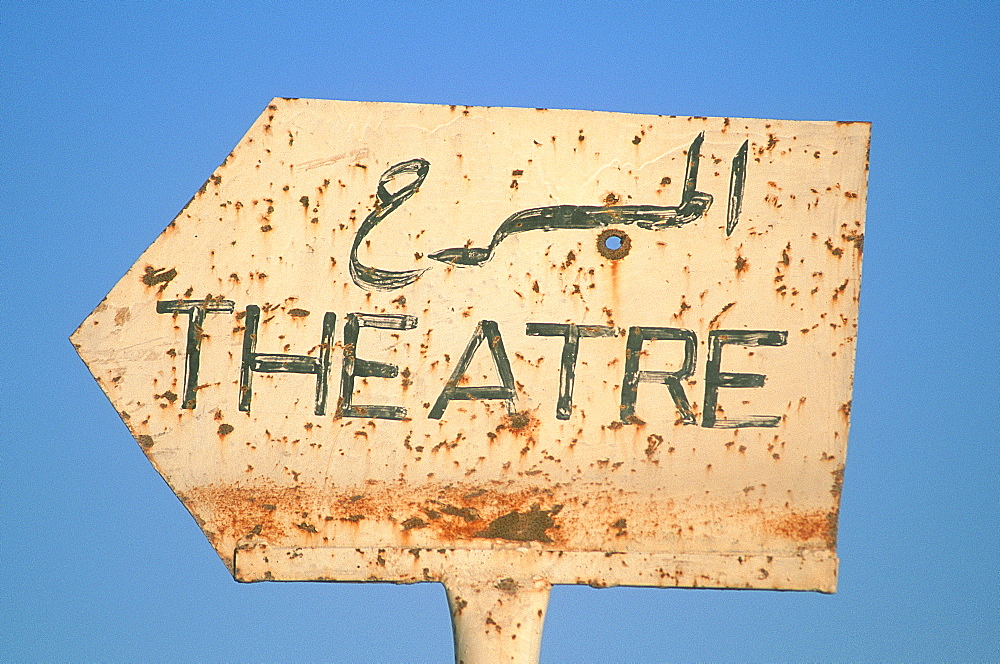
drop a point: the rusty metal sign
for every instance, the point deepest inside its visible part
(501, 349)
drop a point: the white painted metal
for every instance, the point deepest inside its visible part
(662, 351)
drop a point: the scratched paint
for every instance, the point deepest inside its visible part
(380, 332)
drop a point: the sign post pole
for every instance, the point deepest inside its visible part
(497, 619)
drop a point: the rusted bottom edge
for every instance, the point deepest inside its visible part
(810, 571)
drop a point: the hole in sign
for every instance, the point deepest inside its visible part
(613, 244)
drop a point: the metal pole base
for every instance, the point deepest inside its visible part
(497, 620)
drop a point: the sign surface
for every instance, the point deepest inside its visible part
(391, 341)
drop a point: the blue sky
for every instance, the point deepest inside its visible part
(114, 114)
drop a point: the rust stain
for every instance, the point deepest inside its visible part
(714, 323)
(654, 441)
(520, 423)
(162, 276)
(818, 525)
(858, 239)
(522, 527)
(452, 512)
(169, 396)
(298, 313)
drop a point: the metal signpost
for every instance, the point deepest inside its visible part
(501, 349)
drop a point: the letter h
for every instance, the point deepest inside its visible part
(282, 363)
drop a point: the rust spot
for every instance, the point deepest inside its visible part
(168, 395)
(742, 265)
(714, 323)
(145, 441)
(225, 429)
(161, 276)
(298, 313)
(522, 527)
(470, 514)
(636, 140)
(838, 483)
(570, 259)
(414, 522)
(520, 423)
(305, 202)
(654, 441)
(611, 199)
(507, 585)
(805, 526)
(858, 239)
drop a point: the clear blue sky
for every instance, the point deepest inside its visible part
(115, 113)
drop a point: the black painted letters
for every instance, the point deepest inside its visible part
(489, 331)
(571, 334)
(672, 379)
(196, 311)
(355, 366)
(715, 378)
(281, 363)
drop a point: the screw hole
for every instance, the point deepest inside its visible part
(613, 244)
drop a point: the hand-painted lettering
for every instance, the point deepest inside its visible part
(196, 311)
(672, 379)
(694, 204)
(571, 333)
(716, 378)
(283, 363)
(354, 366)
(489, 331)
